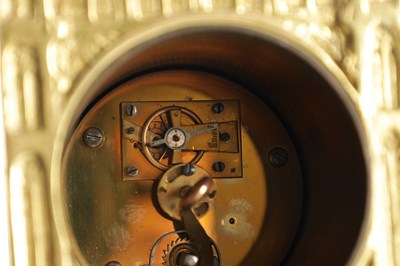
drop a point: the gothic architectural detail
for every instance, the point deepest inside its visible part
(386, 89)
(326, 37)
(170, 7)
(141, 9)
(68, 55)
(392, 164)
(22, 9)
(372, 54)
(313, 21)
(59, 9)
(360, 35)
(21, 88)
(29, 209)
(100, 11)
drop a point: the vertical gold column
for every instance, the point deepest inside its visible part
(373, 64)
(391, 158)
(23, 92)
(29, 211)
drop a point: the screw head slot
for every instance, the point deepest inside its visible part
(131, 110)
(93, 137)
(218, 167)
(278, 157)
(132, 171)
(218, 108)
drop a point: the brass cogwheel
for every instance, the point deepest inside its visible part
(177, 248)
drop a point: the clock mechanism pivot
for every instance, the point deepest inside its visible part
(160, 135)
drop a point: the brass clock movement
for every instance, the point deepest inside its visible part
(200, 133)
(183, 181)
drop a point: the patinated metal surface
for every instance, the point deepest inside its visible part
(123, 206)
(49, 47)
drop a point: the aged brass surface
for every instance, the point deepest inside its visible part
(177, 191)
(125, 220)
(153, 122)
(327, 69)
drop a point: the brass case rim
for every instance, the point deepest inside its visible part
(89, 86)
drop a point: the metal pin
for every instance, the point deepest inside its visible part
(188, 169)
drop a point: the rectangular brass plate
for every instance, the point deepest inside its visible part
(196, 115)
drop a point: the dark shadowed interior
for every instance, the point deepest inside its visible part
(320, 120)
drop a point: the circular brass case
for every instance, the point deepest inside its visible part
(335, 169)
(116, 219)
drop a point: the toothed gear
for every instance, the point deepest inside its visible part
(175, 248)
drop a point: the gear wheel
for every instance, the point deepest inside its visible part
(175, 249)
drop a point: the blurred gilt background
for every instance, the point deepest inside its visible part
(47, 46)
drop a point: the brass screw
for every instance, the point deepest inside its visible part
(130, 110)
(225, 137)
(278, 157)
(218, 167)
(93, 137)
(218, 108)
(130, 130)
(132, 171)
(113, 263)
